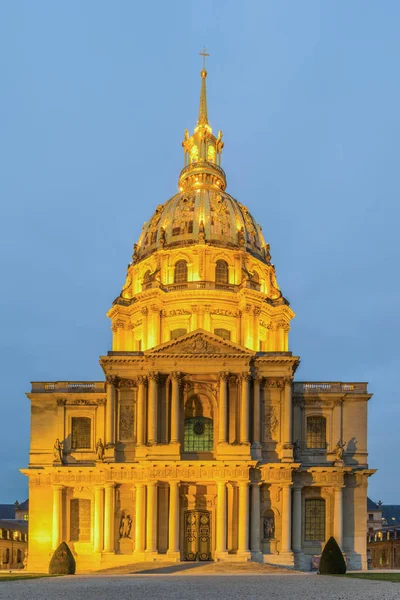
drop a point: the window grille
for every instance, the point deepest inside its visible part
(316, 433)
(80, 432)
(221, 272)
(80, 525)
(198, 435)
(181, 272)
(224, 333)
(314, 519)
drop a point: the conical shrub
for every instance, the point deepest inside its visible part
(62, 561)
(332, 561)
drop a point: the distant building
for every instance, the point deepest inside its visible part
(383, 548)
(15, 511)
(374, 515)
(13, 543)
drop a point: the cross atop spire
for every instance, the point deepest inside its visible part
(204, 54)
(203, 112)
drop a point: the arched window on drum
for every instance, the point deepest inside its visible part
(221, 272)
(199, 427)
(180, 272)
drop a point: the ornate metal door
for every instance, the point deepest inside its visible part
(197, 535)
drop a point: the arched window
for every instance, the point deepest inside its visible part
(316, 433)
(147, 277)
(198, 435)
(314, 519)
(180, 272)
(255, 276)
(175, 333)
(19, 555)
(221, 272)
(7, 557)
(224, 333)
(80, 434)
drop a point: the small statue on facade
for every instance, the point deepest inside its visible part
(99, 450)
(125, 525)
(267, 253)
(241, 237)
(339, 450)
(297, 450)
(269, 528)
(202, 232)
(58, 451)
(135, 254)
(162, 238)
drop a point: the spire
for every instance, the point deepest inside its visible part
(203, 113)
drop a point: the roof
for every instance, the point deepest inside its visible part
(24, 506)
(7, 511)
(390, 514)
(14, 524)
(371, 505)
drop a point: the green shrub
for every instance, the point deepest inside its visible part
(62, 561)
(332, 561)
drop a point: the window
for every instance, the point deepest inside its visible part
(224, 333)
(370, 517)
(26, 516)
(175, 333)
(316, 433)
(221, 272)
(146, 277)
(198, 435)
(7, 557)
(80, 520)
(181, 272)
(315, 519)
(19, 556)
(80, 429)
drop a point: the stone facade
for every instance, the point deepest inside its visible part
(198, 445)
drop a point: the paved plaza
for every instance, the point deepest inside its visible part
(189, 585)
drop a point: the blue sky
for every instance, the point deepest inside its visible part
(95, 99)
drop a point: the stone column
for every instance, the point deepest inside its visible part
(338, 517)
(255, 540)
(297, 519)
(151, 517)
(98, 529)
(223, 407)
(173, 523)
(221, 519)
(286, 519)
(243, 545)
(175, 417)
(245, 408)
(256, 413)
(287, 403)
(110, 411)
(142, 381)
(109, 517)
(152, 408)
(140, 517)
(57, 515)
(145, 318)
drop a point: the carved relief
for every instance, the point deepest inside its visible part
(126, 422)
(271, 423)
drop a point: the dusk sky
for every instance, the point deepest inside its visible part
(95, 99)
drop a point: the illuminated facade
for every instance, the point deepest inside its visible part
(199, 445)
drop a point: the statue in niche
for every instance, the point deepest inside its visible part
(58, 451)
(99, 449)
(267, 253)
(297, 450)
(269, 527)
(125, 525)
(241, 237)
(339, 450)
(202, 232)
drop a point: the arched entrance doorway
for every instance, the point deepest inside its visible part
(197, 539)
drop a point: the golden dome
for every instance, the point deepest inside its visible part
(202, 212)
(200, 216)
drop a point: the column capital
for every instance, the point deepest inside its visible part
(256, 483)
(142, 379)
(175, 375)
(245, 376)
(112, 379)
(56, 486)
(223, 375)
(152, 483)
(109, 485)
(288, 380)
(243, 483)
(153, 375)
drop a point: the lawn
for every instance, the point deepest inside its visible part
(14, 576)
(371, 576)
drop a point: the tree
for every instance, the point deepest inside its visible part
(62, 561)
(332, 561)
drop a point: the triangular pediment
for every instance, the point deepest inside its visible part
(200, 342)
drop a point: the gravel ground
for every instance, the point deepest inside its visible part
(184, 587)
